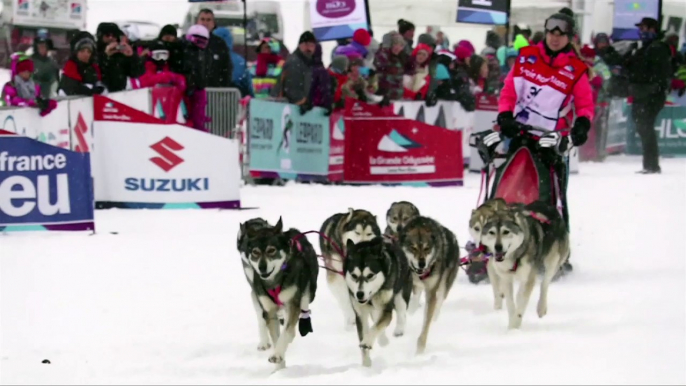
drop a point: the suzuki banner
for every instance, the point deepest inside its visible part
(43, 187)
(384, 148)
(284, 143)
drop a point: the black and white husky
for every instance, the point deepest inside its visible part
(378, 281)
(284, 279)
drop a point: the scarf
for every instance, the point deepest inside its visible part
(26, 89)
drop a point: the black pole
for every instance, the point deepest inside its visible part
(245, 33)
(369, 15)
(507, 24)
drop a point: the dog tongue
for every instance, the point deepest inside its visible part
(499, 256)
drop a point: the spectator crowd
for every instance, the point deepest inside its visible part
(362, 67)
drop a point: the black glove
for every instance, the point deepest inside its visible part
(508, 125)
(328, 111)
(431, 99)
(340, 104)
(305, 107)
(385, 102)
(42, 104)
(419, 97)
(362, 96)
(98, 90)
(580, 130)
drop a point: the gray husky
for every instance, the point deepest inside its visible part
(378, 281)
(434, 258)
(251, 226)
(356, 226)
(397, 217)
(285, 278)
(523, 240)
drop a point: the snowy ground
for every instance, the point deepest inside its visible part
(165, 301)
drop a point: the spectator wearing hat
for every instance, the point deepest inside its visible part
(650, 71)
(47, 71)
(359, 44)
(21, 90)
(605, 51)
(296, 78)
(417, 84)
(392, 64)
(81, 75)
(267, 70)
(158, 70)
(321, 91)
(338, 71)
(116, 58)
(457, 88)
(218, 64)
(356, 86)
(195, 44)
(241, 77)
(406, 30)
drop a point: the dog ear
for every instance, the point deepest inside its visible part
(278, 228)
(350, 214)
(241, 230)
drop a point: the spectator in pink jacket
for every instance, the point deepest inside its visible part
(21, 90)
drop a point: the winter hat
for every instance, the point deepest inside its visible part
(81, 42)
(426, 39)
(307, 37)
(442, 73)
(362, 37)
(588, 52)
(488, 51)
(356, 61)
(397, 38)
(198, 35)
(422, 47)
(566, 11)
(601, 38)
(108, 29)
(168, 30)
(24, 63)
(339, 64)
(493, 40)
(404, 26)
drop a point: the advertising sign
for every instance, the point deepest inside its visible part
(489, 12)
(337, 19)
(627, 13)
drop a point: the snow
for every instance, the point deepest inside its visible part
(164, 300)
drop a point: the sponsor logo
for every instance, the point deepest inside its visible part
(75, 10)
(522, 60)
(167, 184)
(20, 195)
(396, 143)
(23, 6)
(335, 8)
(531, 59)
(81, 129)
(569, 68)
(542, 80)
(167, 160)
(110, 111)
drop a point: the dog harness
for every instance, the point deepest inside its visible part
(274, 294)
(543, 89)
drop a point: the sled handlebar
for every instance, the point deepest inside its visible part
(537, 132)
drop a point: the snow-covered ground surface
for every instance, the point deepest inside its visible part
(164, 300)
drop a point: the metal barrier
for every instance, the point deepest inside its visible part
(223, 106)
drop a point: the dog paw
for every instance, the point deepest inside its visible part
(383, 340)
(515, 323)
(367, 361)
(398, 333)
(421, 346)
(264, 347)
(276, 359)
(542, 310)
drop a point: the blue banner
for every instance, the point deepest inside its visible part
(489, 12)
(285, 142)
(43, 187)
(628, 13)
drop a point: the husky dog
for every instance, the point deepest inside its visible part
(285, 278)
(523, 240)
(378, 281)
(434, 258)
(479, 218)
(397, 217)
(251, 226)
(356, 225)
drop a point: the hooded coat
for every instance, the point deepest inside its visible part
(47, 71)
(240, 76)
(79, 78)
(321, 92)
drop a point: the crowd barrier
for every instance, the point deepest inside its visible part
(121, 150)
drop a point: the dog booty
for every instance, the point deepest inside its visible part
(305, 323)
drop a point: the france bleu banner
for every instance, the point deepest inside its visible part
(43, 187)
(285, 142)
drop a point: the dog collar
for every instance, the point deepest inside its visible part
(515, 266)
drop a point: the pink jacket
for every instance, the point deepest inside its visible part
(11, 97)
(581, 97)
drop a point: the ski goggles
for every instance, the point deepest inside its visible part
(558, 24)
(199, 41)
(160, 55)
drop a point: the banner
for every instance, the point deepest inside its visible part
(168, 105)
(139, 99)
(489, 12)
(337, 19)
(52, 129)
(485, 116)
(628, 13)
(43, 187)
(337, 146)
(287, 144)
(65, 14)
(617, 122)
(671, 132)
(394, 149)
(166, 166)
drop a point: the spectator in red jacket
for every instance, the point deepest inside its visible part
(338, 70)
(81, 75)
(157, 70)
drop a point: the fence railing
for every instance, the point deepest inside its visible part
(223, 105)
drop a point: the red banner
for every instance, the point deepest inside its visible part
(381, 147)
(336, 147)
(106, 109)
(167, 104)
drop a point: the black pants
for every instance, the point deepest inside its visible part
(644, 112)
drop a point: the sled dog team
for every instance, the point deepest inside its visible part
(373, 275)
